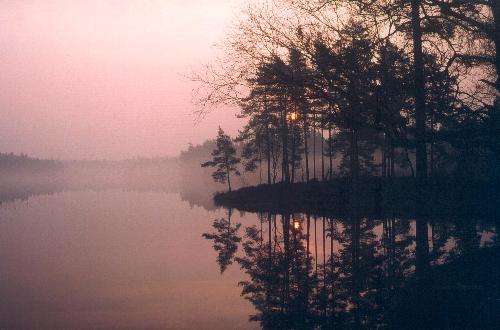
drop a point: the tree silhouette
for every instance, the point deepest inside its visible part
(224, 159)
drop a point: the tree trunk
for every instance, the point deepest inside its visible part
(322, 152)
(293, 154)
(260, 163)
(268, 134)
(286, 238)
(384, 156)
(409, 162)
(306, 150)
(306, 291)
(285, 168)
(308, 233)
(315, 245)
(330, 155)
(324, 254)
(332, 282)
(422, 250)
(354, 157)
(433, 140)
(420, 115)
(356, 285)
(314, 146)
(228, 176)
(270, 256)
(391, 155)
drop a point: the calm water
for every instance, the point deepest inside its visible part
(113, 259)
(137, 260)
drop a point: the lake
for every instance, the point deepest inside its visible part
(113, 259)
(137, 260)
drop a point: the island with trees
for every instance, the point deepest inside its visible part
(363, 102)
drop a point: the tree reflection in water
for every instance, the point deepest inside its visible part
(225, 239)
(322, 272)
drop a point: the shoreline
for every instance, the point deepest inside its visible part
(374, 197)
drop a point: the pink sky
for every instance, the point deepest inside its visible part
(105, 79)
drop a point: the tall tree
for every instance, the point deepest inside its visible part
(419, 86)
(345, 80)
(298, 95)
(392, 95)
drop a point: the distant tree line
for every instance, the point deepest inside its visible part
(22, 162)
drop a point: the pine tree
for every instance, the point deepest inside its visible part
(224, 159)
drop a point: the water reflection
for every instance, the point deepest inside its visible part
(225, 240)
(322, 272)
(113, 259)
(143, 256)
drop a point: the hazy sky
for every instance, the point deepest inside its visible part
(105, 78)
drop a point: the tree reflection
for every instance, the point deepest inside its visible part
(325, 272)
(225, 240)
(279, 272)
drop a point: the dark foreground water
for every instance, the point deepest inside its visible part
(138, 260)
